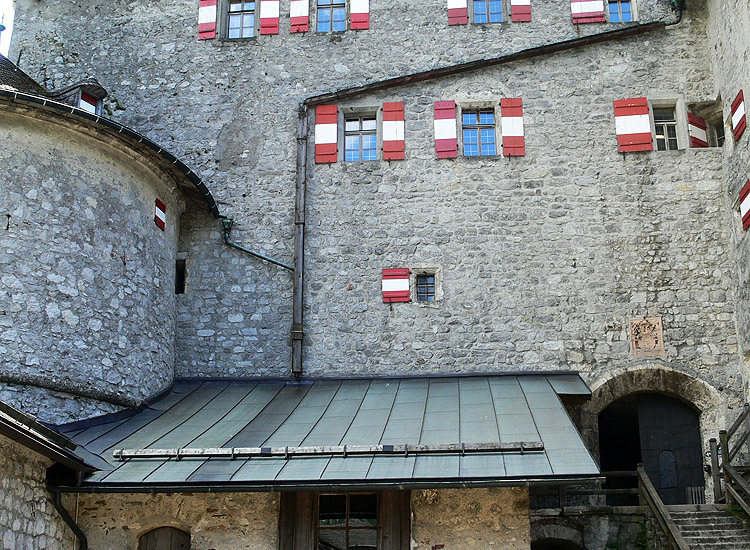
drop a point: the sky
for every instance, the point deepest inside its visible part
(6, 13)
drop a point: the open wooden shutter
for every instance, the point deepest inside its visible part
(297, 521)
(739, 120)
(207, 19)
(299, 14)
(458, 12)
(396, 285)
(697, 129)
(359, 14)
(511, 116)
(588, 11)
(394, 518)
(446, 142)
(520, 10)
(745, 205)
(633, 125)
(269, 16)
(393, 131)
(326, 134)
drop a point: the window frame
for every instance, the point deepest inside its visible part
(478, 106)
(360, 133)
(331, 7)
(359, 111)
(415, 274)
(633, 12)
(665, 125)
(226, 14)
(505, 13)
(347, 528)
(680, 112)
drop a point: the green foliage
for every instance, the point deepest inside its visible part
(641, 542)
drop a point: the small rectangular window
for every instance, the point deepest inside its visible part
(241, 17)
(426, 287)
(361, 139)
(488, 11)
(719, 134)
(665, 125)
(348, 521)
(331, 15)
(478, 132)
(620, 11)
(179, 277)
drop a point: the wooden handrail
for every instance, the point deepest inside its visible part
(740, 419)
(733, 476)
(663, 517)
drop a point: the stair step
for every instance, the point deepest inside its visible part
(711, 528)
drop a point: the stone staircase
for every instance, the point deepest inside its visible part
(710, 527)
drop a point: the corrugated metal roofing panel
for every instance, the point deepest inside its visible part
(427, 411)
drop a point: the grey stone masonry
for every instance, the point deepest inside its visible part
(543, 259)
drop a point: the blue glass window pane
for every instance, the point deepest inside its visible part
(470, 118)
(471, 148)
(480, 11)
(324, 20)
(369, 147)
(486, 118)
(496, 11)
(352, 148)
(324, 2)
(488, 135)
(339, 19)
(488, 149)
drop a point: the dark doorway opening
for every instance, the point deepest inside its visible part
(554, 544)
(661, 432)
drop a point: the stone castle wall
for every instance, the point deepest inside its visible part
(543, 259)
(87, 301)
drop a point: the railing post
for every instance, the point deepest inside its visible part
(745, 411)
(641, 499)
(724, 443)
(715, 475)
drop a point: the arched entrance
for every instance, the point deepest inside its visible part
(660, 431)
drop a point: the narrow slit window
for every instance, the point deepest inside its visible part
(426, 287)
(241, 19)
(179, 277)
(361, 139)
(665, 125)
(620, 11)
(719, 134)
(479, 133)
(488, 11)
(331, 15)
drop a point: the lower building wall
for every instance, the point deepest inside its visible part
(28, 519)
(470, 518)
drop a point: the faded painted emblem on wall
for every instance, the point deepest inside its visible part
(647, 337)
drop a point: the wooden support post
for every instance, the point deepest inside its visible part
(562, 495)
(715, 475)
(724, 445)
(747, 425)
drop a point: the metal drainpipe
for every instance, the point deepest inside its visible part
(299, 242)
(83, 543)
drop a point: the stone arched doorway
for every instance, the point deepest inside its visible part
(661, 432)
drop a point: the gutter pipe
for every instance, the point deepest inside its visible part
(227, 225)
(405, 80)
(83, 543)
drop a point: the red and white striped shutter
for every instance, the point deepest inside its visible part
(739, 120)
(207, 19)
(633, 125)
(511, 119)
(458, 12)
(393, 131)
(326, 134)
(359, 14)
(396, 285)
(697, 129)
(745, 205)
(299, 13)
(160, 215)
(269, 16)
(446, 142)
(520, 10)
(588, 11)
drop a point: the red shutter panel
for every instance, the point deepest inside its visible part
(587, 11)
(458, 12)
(207, 19)
(326, 134)
(396, 285)
(739, 120)
(393, 131)
(359, 14)
(511, 116)
(520, 10)
(446, 142)
(269, 16)
(633, 125)
(299, 14)
(160, 215)
(697, 130)
(745, 205)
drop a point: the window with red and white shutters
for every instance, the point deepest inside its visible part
(359, 14)
(588, 11)
(393, 131)
(299, 14)
(326, 134)
(396, 285)
(269, 16)
(446, 141)
(207, 19)
(745, 205)
(458, 12)
(511, 118)
(633, 125)
(520, 10)
(697, 130)
(739, 120)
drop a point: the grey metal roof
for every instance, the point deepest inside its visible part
(427, 412)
